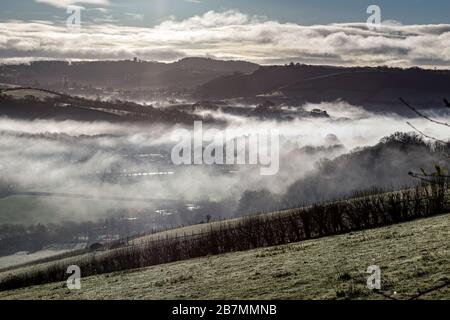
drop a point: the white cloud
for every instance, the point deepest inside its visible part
(233, 35)
(66, 3)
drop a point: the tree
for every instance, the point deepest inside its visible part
(440, 175)
(257, 201)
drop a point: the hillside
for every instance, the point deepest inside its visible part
(414, 259)
(263, 80)
(376, 89)
(258, 231)
(31, 104)
(185, 73)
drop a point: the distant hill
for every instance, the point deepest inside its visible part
(185, 73)
(374, 88)
(31, 104)
(264, 80)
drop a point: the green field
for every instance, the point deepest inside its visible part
(414, 258)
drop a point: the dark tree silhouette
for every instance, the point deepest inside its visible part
(447, 104)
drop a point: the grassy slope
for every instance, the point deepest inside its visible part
(72, 259)
(22, 93)
(414, 257)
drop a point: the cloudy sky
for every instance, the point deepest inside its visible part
(413, 32)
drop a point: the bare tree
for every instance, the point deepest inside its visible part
(440, 174)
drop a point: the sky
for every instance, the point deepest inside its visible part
(413, 32)
(305, 12)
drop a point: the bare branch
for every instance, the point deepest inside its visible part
(425, 135)
(422, 115)
(427, 179)
(447, 104)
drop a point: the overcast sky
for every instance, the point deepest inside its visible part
(415, 32)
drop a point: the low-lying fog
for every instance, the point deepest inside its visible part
(122, 160)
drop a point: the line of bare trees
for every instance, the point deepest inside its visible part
(364, 212)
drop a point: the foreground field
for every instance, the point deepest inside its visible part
(414, 258)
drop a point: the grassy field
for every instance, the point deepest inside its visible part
(25, 257)
(22, 93)
(414, 258)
